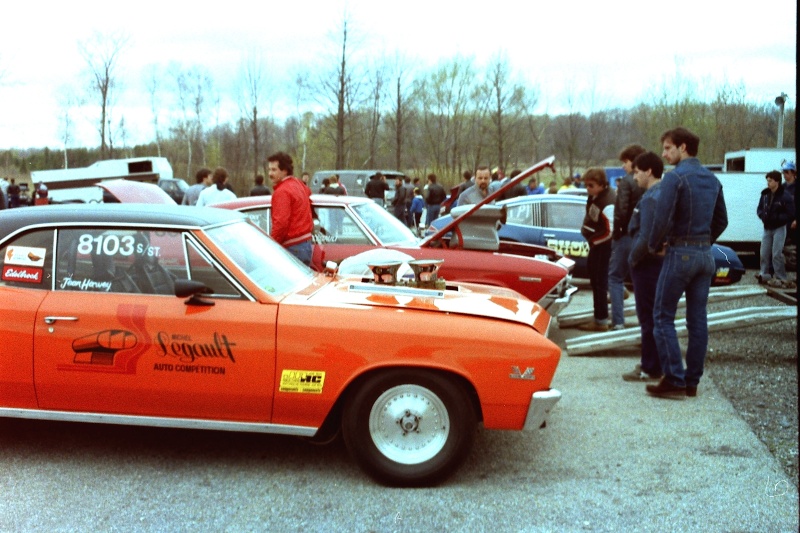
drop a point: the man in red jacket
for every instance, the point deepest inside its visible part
(292, 223)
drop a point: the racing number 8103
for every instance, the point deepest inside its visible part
(106, 245)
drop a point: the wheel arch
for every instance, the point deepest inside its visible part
(333, 420)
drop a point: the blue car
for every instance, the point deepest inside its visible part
(554, 220)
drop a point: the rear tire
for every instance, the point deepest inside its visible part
(409, 427)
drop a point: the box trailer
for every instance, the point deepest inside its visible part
(743, 180)
(76, 185)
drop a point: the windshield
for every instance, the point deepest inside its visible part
(389, 230)
(264, 261)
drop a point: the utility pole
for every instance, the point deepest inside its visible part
(780, 101)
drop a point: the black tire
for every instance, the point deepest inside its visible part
(409, 427)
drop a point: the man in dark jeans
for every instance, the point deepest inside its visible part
(628, 194)
(692, 215)
(645, 267)
(433, 202)
(13, 194)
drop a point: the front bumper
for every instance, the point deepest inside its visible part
(555, 303)
(538, 411)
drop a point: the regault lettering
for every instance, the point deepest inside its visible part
(188, 352)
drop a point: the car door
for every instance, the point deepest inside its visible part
(562, 222)
(26, 278)
(112, 337)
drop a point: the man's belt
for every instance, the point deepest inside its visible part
(689, 241)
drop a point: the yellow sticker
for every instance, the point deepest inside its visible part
(308, 381)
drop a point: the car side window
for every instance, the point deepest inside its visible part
(27, 262)
(260, 217)
(519, 214)
(336, 225)
(564, 215)
(100, 260)
(201, 269)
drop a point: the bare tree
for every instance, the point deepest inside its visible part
(377, 94)
(68, 100)
(510, 108)
(252, 92)
(192, 86)
(444, 98)
(101, 53)
(341, 88)
(400, 111)
(153, 81)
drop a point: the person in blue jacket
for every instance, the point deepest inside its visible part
(645, 267)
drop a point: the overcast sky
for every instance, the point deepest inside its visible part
(617, 50)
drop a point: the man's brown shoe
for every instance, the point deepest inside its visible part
(593, 326)
(691, 392)
(665, 389)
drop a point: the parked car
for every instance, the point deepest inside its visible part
(346, 226)
(354, 181)
(554, 220)
(176, 316)
(174, 187)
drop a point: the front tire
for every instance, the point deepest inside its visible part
(409, 427)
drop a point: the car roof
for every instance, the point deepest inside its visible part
(11, 220)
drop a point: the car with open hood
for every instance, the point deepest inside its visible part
(346, 226)
(188, 317)
(554, 220)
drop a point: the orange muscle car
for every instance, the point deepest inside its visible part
(190, 317)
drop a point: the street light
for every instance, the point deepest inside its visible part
(780, 101)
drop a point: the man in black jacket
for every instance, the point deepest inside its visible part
(628, 195)
(433, 202)
(376, 187)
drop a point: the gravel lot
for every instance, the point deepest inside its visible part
(756, 368)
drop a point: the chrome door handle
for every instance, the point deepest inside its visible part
(52, 319)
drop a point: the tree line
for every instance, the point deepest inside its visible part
(354, 114)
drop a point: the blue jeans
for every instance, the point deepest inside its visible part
(597, 264)
(617, 272)
(686, 269)
(302, 251)
(772, 253)
(432, 213)
(645, 280)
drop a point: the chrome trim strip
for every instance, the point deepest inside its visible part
(162, 422)
(396, 290)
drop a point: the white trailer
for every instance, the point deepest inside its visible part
(77, 184)
(743, 180)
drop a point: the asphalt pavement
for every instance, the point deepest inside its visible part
(649, 464)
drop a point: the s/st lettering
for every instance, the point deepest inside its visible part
(113, 245)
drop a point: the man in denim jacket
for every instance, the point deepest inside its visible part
(691, 215)
(645, 267)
